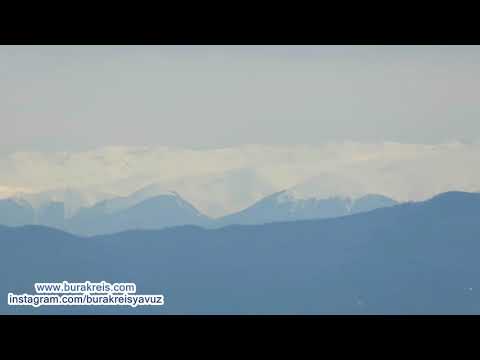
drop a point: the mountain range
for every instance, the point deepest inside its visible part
(221, 181)
(153, 207)
(410, 258)
(282, 206)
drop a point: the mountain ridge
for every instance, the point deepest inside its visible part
(443, 199)
(280, 206)
(156, 206)
(412, 258)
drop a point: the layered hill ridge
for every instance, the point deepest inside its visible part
(412, 258)
(155, 207)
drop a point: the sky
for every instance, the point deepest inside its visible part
(65, 98)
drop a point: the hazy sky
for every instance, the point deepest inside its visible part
(79, 97)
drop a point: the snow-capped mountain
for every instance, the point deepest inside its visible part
(226, 180)
(156, 207)
(285, 206)
(218, 194)
(324, 196)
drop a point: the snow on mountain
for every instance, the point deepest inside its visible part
(220, 193)
(323, 186)
(223, 181)
(291, 205)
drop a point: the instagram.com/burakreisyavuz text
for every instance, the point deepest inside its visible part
(85, 293)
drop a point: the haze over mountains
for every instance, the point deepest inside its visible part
(222, 181)
(412, 258)
(122, 188)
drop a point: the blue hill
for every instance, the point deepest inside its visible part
(414, 258)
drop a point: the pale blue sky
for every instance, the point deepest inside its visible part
(78, 97)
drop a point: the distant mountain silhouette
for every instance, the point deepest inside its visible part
(153, 213)
(51, 214)
(16, 212)
(282, 206)
(413, 258)
(154, 207)
(121, 203)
